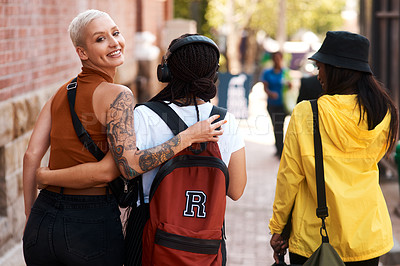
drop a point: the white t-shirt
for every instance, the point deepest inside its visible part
(151, 131)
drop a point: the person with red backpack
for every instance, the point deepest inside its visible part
(187, 195)
(191, 68)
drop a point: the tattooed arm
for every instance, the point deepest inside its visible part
(122, 140)
(117, 116)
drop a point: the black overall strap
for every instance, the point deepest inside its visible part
(81, 132)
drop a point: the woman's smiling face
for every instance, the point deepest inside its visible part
(104, 44)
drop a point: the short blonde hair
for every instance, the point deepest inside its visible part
(78, 24)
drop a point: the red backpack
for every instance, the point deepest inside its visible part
(187, 203)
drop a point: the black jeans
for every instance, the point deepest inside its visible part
(278, 115)
(73, 230)
(297, 259)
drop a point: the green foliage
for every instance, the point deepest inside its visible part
(214, 15)
(203, 27)
(182, 8)
(316, 16)
(266, 17)
(193, 9)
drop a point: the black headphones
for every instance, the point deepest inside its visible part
(163, 72)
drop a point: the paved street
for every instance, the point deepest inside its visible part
(247, 219)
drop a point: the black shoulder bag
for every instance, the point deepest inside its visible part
(125, 191)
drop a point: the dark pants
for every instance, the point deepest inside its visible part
(73, 230)
(277, 114)
(297, 259)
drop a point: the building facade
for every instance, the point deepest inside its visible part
(380, 22)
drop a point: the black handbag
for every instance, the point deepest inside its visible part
(124, 190)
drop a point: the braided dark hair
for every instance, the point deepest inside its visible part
(194, 70)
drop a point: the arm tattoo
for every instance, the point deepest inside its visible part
(121, 123)
(121, 136)
(153, 157)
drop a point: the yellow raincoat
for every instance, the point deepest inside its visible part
(359, 226)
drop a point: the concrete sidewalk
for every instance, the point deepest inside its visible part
(247, 219)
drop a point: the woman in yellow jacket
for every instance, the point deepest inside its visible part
(358, 124)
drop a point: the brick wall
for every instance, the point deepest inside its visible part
(156, 9)
(35, 48)
(36, 57)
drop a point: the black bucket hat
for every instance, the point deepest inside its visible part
(344, 49)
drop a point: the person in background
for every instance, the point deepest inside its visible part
(76, 221)
(274, 80)
(359, 124)
(310, 88)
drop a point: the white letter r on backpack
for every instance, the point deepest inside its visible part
(195, 199)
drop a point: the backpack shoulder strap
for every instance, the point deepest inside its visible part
(168, 115)
(81, 132)
(216, 110)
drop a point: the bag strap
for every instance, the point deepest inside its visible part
(322, 209)
(216, 110)
(81, 132)
(140, 188)
(168, 115)
(171, 118)
(175, 123)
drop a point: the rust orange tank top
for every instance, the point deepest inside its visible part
(65, 147)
